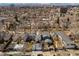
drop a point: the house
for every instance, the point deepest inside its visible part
(68, 43)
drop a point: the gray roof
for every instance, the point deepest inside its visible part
(37, 46)
(68, 43)
(26, 35)
(38, 38)
(48, 41)
(44, 34)
(64, 37)
(2, 18)
(15, 37)
(7, 36)
(33, 35)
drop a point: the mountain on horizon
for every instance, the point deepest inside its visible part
(38, 4)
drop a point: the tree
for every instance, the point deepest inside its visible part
(16, 19)
(57, 21)
(67, 23)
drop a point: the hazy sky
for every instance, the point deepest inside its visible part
(6, 4)
(64, 2)
(39, 1)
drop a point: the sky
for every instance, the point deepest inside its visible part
(39, 1)
(74, 2)
(37, 4)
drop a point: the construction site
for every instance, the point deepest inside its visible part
(39, 31)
